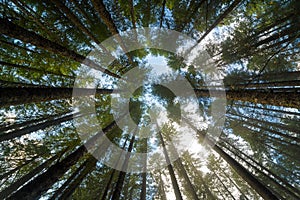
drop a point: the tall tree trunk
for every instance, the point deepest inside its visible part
(35, 19)
(68, 181)
(16, 96)
(282, 97)
(7, 174)
(42, 125)
(161, 188)
(15, 31)
(162, 13)
(261, 32)
(235, 185)
(224, 186)
(122, 174)
(254, 107)
(14, 186)
(43, 182)
(30, 69)
(264, 84)
(190, 188)
(73, 18)
(170, 168)
(274, 141)
(208, 194)
(283, 184)
(91, 164)
(16, 46)
(276, 36)
(260, 171)
(264, 124)
(270, 131)
(13, 84)
(108, 184)
(18, 126)
(219, 20)
(105, 16)
(260, 188)
(144, 174)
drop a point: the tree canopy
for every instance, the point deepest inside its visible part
(162, 99)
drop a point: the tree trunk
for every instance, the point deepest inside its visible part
(254, 107)
(161, 189)
(77, 22)
(162, 13)
(219, 20)
(122, 174)
(68, 181)
(275, 141)
(42, 125)
(224, 186)
(91, 164)
(12, 84)
(171, 170)
(16, 127)
(276, 36)
(7, 174)
(16, 46)
(14, 186)
(244, 173)
(190, 188)
(103, 197)
(144, 174)
(43, 182)
(266, 130)
(260, 171)
(30, 69)
(264, 171)
(270, 124)
(208, 193)
(105, 16)
(16, 96)
(15, 31)
(283, 97)
(235, 185)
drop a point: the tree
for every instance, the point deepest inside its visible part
(253, 47)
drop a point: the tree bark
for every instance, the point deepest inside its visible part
(73, 18)
(190, 188)
(68, 181)
(108, 184)
(15, 127)
(144, 174)
(15, 31)
(171, 170)
(43, 182)
(42, 125)
(107, 19)
(283, 184)
(91, 164)
(122, 174)
(260, 188)
(14, 186)
(30, 69)
(283, 97)
(16, 96)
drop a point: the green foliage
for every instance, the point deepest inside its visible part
(256, 44)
